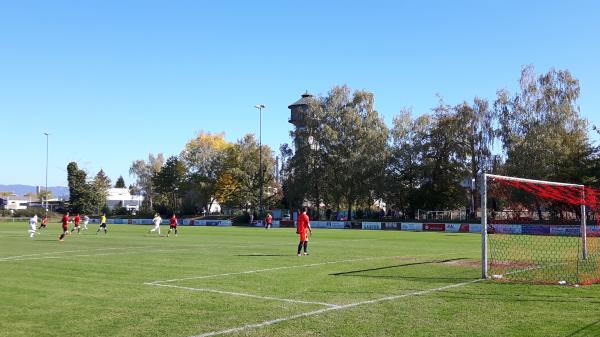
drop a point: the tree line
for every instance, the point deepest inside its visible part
(88, 196)
(209, 170)
(345, 157)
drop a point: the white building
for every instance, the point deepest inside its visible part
(14, 202)
(120, 197)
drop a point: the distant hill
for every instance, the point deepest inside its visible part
(57, 191)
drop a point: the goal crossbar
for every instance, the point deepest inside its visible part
(533, 181)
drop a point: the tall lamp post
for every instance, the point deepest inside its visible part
(260, 192)
(46, 191)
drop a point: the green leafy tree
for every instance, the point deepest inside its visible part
(78, 196)
(120, 183)
(406, 173)
(478, 134)
(430, 157)
(99, 189)
(44, 195)
(205, 157)
(343, 149)
(242, 167)
(294, 191)
(170, 182)
(86, 197)
(445, 161)
(542, 133)
(144, 171)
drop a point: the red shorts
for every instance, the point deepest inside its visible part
(303, 236)
(65, 228)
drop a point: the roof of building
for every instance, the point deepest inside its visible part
(17, 197)
(305, 100)
(120, 194)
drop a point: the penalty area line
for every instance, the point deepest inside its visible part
(325, 310)
(273, 269)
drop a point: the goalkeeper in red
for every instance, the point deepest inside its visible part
(303, 227)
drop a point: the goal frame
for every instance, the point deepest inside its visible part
(484, 234)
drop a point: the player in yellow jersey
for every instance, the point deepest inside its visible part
(102, 224)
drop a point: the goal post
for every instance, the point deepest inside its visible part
(537, 231)
(484, 245)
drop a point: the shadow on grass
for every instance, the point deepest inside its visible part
(592, 329)
(542, 298)
(396, 266)
(421, 278)
(263, 255)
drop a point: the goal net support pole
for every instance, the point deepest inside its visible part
(484, 245)
(484, 220)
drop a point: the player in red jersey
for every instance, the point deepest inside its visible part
(269, 221)
(76, 222)
(65, 225)
(172, 225)
(44, 222)
(303, 227)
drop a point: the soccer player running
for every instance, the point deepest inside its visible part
(44, 222)
(86, 221)
(172, 225)
(102, 224)
(76, 221)
(156, 221)
(32, 225)
(65, 227)
(303, 226)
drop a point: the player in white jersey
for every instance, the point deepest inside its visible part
(156, 221)
(32, 225)
(86, 221)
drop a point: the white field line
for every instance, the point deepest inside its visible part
(70, 251)
(41, 256)
(270, 269)
(243, 294)
(89, 255)
(324, 310)
(293, 243)
(142, 247)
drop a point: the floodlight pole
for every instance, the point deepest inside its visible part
(484, 250)
(46, 192)
(260, 193)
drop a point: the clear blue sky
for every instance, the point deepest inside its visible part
(114, 80)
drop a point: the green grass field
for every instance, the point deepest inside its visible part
(249, 282)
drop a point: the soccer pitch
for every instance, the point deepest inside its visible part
(230, 281)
